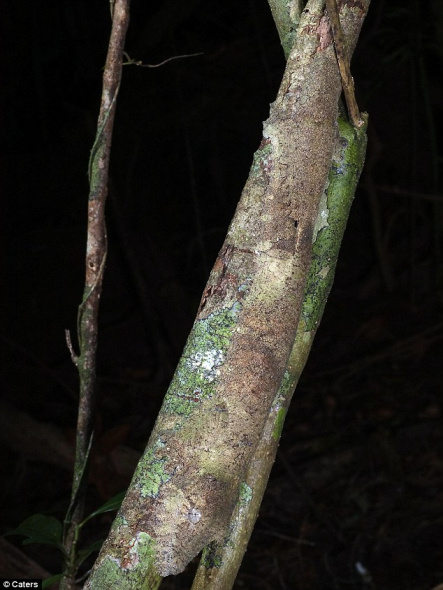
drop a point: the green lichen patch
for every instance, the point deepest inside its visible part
(245, 493)
(151, 473)
(278, 424)
(212, 556)
(342, 182)
(199, 366)
(120, 521)
(286, 384)
(142, 550)
(262, 161)
(130, 572)
(353, 146)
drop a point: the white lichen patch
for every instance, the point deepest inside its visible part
(206, 363)
(134, 557)
(324, 272)
(307, 337)
(322, 218)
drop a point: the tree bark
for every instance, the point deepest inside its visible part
(188, 481)
(221, 560)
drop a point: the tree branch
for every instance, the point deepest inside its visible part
(343, 64)
(286, 15)
(95, 263)
(221, 561)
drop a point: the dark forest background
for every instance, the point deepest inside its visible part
(356, 495)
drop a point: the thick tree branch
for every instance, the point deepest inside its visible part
(221, 560)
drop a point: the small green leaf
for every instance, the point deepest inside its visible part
(40, 529)
(52, 580)
(112, 504)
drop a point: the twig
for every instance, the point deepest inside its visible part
(95, 263)
(133, 62)
(343, 64)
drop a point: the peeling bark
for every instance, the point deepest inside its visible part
(188, 481)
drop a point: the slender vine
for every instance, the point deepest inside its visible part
(96, 250)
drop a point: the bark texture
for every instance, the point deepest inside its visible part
(220, 561)
(96, 249)
(286, 15)
(189, 479)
